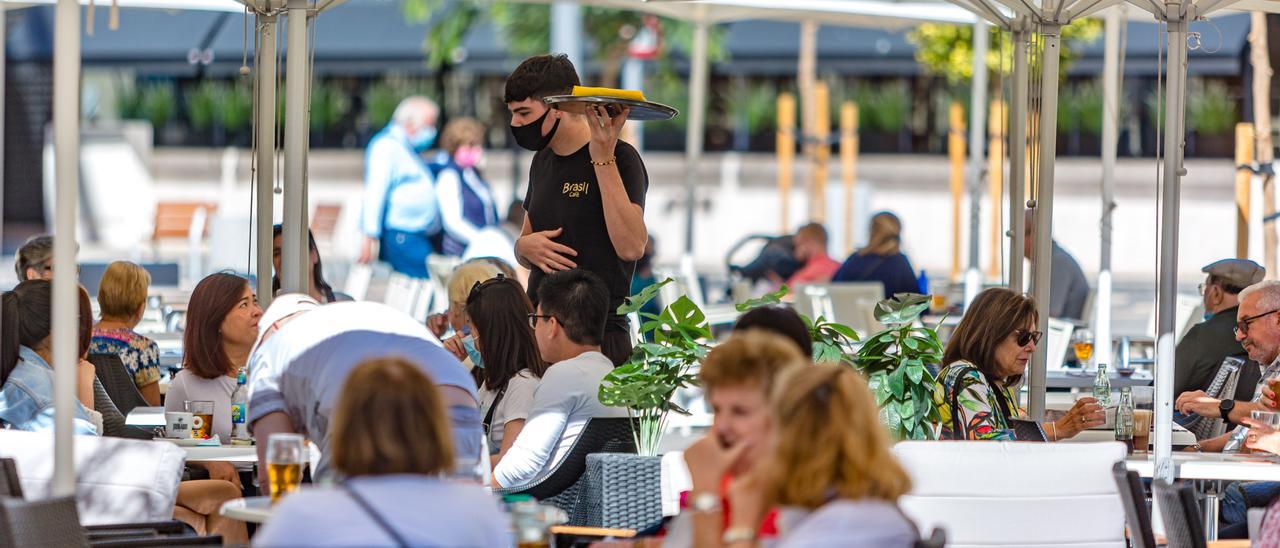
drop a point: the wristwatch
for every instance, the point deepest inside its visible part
(704, 502)
(735, 535)
(1225, 407)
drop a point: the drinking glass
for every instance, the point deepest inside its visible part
(202, 421)
(1082, 344)
(285, 455)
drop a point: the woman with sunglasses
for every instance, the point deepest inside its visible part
(986, 358)
(503, 348)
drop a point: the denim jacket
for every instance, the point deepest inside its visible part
(26, 399)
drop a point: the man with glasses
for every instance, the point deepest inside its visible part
(1205, 345)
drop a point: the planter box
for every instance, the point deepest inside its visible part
(621, 490)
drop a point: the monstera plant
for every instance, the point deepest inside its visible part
(894, 361)
(646, 383)
(832, 342)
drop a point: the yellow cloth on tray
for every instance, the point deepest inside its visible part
(631, 94)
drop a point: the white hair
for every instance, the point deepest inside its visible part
(1268, 294)
(416, 109)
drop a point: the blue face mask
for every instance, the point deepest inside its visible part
(424, 139)
(469, 344)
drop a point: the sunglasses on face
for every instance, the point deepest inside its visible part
(1242, 326)
(1024, 337)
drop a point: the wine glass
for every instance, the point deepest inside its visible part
(1082, 344)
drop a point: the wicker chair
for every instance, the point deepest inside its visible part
(1136, 514)
(937, 539)
(1183, 523)
(562, 486)
(118, 382)
(50, 522)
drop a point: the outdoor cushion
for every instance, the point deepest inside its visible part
(117, 480)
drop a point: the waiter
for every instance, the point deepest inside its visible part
(400, 212)
(585, 203)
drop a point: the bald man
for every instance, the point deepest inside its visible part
(400, 212)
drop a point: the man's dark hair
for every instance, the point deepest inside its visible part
(579, 300)
(781, 320)
(541, 76)
(1226, 286)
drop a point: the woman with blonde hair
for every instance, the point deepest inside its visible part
(463, 279)
(881, 260)
(828, 471)
(122, 298)
(391, 442)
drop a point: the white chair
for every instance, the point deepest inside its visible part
(117, 480)
(1190, 311)
(436, 297)
(358, 279)
(402, 292)
(1058, 343)
(987, 493)
(849, 303)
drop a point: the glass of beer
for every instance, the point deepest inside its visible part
(1082, 344)
(285, 455)
(202, 419)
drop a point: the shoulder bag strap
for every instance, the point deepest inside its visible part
(377, 518)
(488, 416)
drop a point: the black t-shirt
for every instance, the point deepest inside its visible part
(564, 193)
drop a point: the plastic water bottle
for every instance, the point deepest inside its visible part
(1124, 419)
(923, 282)
(240, 407)
(1102, 386)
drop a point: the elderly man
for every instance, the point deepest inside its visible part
(1203, 348)
(1068, 288)
(400, 212)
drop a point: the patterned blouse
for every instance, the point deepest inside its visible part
(139, 354)
(979, 416)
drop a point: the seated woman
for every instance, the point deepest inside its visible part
(391, 441)
(506, 355)
(985, 359)
(26, 352)
(122, 299)
(222, 326)
(320, 290)
(461, 281)
(882, 259)
(827, 467)
(737, 377)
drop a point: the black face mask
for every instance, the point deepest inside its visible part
(530, 137)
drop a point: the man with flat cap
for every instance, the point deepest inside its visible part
(1205, 345)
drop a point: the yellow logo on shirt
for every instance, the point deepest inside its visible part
(576, 190)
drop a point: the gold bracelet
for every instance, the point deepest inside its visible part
(612, 160)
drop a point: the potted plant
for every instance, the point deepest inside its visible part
(894, 361)
(644, 386)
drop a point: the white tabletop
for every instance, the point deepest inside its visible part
(251, 509)
(222, 453)
(145, 417)
(1181, 437)
(1212, 466)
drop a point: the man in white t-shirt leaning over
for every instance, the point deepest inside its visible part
(569, 325)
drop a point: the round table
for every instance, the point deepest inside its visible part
(249, 509)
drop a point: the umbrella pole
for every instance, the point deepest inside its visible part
(1111, 80)
(1018, 152)
(293, 277)
(66, 305)
(1167, 291)
(265, 126)
(977, 158)
(693, 134)
(1044, 210)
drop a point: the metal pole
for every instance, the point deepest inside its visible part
(977, 158)
(1167, 290)
(265, 65)
(633, 78)
(566, 31)
(66, 299)
(3, 52)
(1111, 80)
(693, 131)
(293, 278)
(1044, 209)
(806, 78)
(1018, 150)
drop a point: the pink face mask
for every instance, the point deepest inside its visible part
(468, 156)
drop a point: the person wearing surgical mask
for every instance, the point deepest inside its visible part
(466, 202)
(401, 212)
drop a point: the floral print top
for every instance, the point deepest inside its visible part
(139, 354)
(979, 416)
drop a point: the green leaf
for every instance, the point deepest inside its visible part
(889, 416)
(915, 373)
(897, 384)
(911, 343)
(906, 409)
(843, 330)
(635, 302)
(767, 300)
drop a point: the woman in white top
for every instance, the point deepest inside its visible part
(829, 471)
(391, 441)
(503, 348)
(222, 325)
